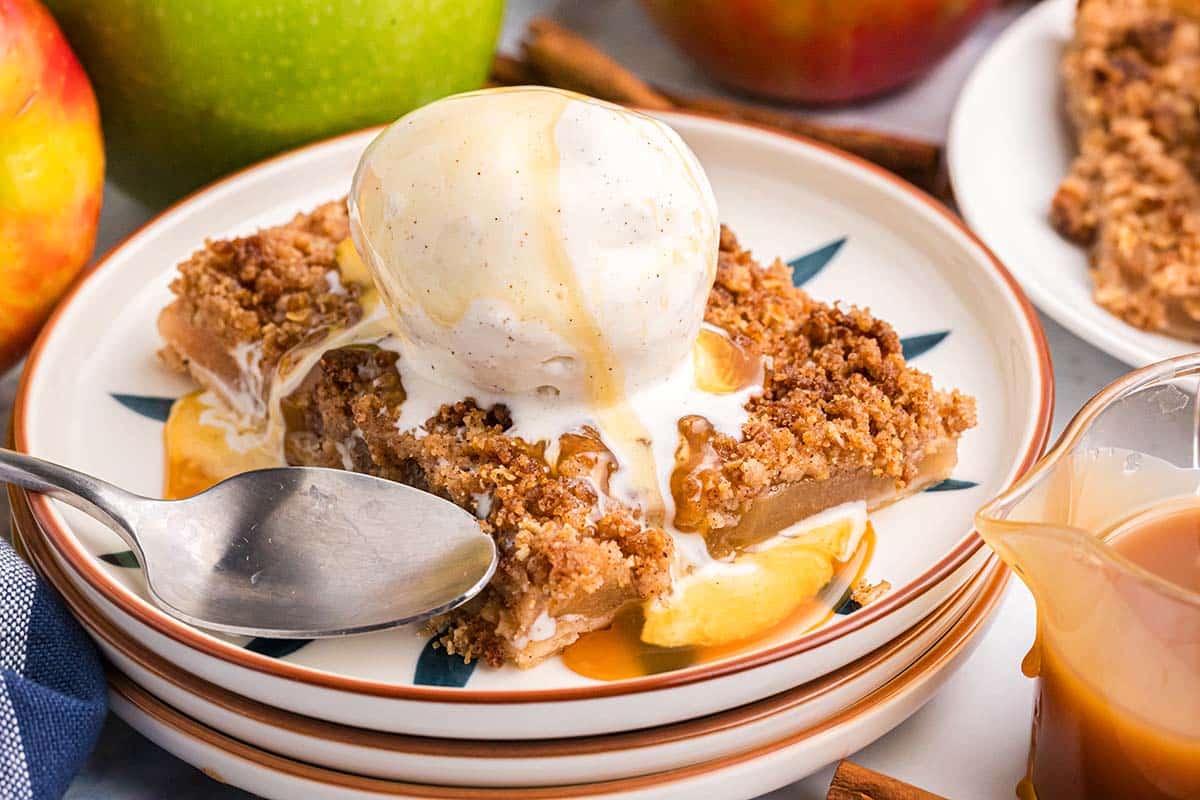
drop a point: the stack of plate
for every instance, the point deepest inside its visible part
(386, 713)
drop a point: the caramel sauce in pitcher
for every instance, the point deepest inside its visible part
(1087, 746)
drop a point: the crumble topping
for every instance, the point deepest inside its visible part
(271, 288)
(865, 593)
(838, 395)
(1132, 77)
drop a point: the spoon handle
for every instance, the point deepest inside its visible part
(111, 505)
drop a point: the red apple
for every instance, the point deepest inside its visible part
(51, 171)
(816, 51)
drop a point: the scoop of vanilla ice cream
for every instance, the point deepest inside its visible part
(535, 241)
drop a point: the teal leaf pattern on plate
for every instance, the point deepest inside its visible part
(806, 267)
(952, 485)
(848, 606)
(913, 346)
(124, 558)
(155, 408)
(436, 667)
(275, 648)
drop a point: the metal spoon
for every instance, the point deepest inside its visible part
(294, 552)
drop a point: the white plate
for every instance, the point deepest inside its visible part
(746, 775)
(1010, 145)
(497, 764)
(903, 255)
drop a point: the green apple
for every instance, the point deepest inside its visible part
(192, 89)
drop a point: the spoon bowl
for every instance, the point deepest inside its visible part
(291, 552)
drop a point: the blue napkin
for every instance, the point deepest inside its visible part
(52, 690)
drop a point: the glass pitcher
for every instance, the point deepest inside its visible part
(1117, 654)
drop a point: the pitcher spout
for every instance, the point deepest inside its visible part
(1052, 527)
(1103, 531)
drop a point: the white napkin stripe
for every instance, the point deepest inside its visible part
(14, 770)
(19, 587)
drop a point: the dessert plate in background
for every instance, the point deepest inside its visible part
(93, 397)
(498, 764)
(1010, 145)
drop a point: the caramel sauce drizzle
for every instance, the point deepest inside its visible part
(722, 366)
(694, 456)
(584, 455)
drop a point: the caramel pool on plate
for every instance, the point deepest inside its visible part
(619, 651)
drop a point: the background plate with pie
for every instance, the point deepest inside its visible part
(1010, 145)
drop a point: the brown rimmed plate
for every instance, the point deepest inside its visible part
(482, 763)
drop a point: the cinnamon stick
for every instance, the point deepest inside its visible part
(852, 782)
(568, 61)
(509, 71)
(558, 57)
(914, 159)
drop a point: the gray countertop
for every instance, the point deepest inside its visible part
(970, 741)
